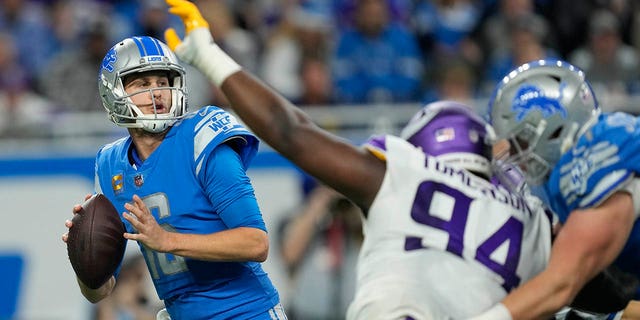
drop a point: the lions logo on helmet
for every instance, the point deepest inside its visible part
(529, 98)
(109, 59)
(135, 55)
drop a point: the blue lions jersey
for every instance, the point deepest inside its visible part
(605, 159)
(195, 182)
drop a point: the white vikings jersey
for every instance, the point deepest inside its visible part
(441, 243)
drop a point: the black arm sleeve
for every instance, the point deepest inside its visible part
(609, 291)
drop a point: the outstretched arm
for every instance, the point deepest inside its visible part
(588, 242)
(336, 162)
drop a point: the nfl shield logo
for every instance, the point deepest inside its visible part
(138, 180)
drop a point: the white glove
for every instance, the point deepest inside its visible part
(198, 48)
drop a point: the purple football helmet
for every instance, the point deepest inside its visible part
(454, 133)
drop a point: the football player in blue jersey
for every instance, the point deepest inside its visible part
(585, 163)
(181, 179)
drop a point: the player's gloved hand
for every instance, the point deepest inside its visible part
(198, 47)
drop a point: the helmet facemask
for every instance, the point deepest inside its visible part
(522, 152)
(132, 116)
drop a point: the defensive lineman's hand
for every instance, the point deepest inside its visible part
(198, 47)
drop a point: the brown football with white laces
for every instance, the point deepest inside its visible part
(96, 244)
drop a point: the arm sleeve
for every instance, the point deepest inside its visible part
(633, 188)
(229, 189)
(609, 291)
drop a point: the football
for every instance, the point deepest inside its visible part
(96, 244)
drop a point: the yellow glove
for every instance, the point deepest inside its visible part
(198, 48)
(191, 17)
(189, 14)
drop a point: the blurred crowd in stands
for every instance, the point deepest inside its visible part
(318, 52)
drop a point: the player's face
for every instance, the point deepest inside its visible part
(503, 148)
(150, 92)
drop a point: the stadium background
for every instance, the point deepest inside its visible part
(46, 163)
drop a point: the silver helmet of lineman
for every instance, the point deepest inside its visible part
(541, 107)
(134, 55)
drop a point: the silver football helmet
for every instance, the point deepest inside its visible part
(541, 107)
(135, 55)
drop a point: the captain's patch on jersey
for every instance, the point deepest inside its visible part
(117, 183)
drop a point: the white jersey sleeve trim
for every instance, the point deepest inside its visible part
(605, 188)
(633, 188)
